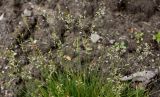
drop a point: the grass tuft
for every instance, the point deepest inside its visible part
(83, 84)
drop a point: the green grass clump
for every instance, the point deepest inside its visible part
(83, 84)
(69, 84)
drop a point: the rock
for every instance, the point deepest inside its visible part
(95, 37)
(2, 17)
(144, 76)
(27, 13)
(67, 57)
(112, 41)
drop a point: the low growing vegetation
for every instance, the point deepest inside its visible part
(81, 84)
(156, 37)
(78, 48)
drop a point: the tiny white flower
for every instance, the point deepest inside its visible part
(35, 41)
(14, 53)
(6, 67)
(2, 71)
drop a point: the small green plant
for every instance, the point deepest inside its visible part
(120, 46)
(157, 37)
(139, 36)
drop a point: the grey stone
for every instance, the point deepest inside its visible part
(112, 41)
(95, 37)
(27, 13)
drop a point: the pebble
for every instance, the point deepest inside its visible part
(27, 13)
(95, 37)
(112, 41)
(2, 17)
(152, 60)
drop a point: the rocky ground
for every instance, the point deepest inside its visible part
(79, 33)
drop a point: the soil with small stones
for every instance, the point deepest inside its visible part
(126, 28)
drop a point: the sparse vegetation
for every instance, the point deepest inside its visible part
(81, 84)
(139, 36)
(157, 37)
(77, 48)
